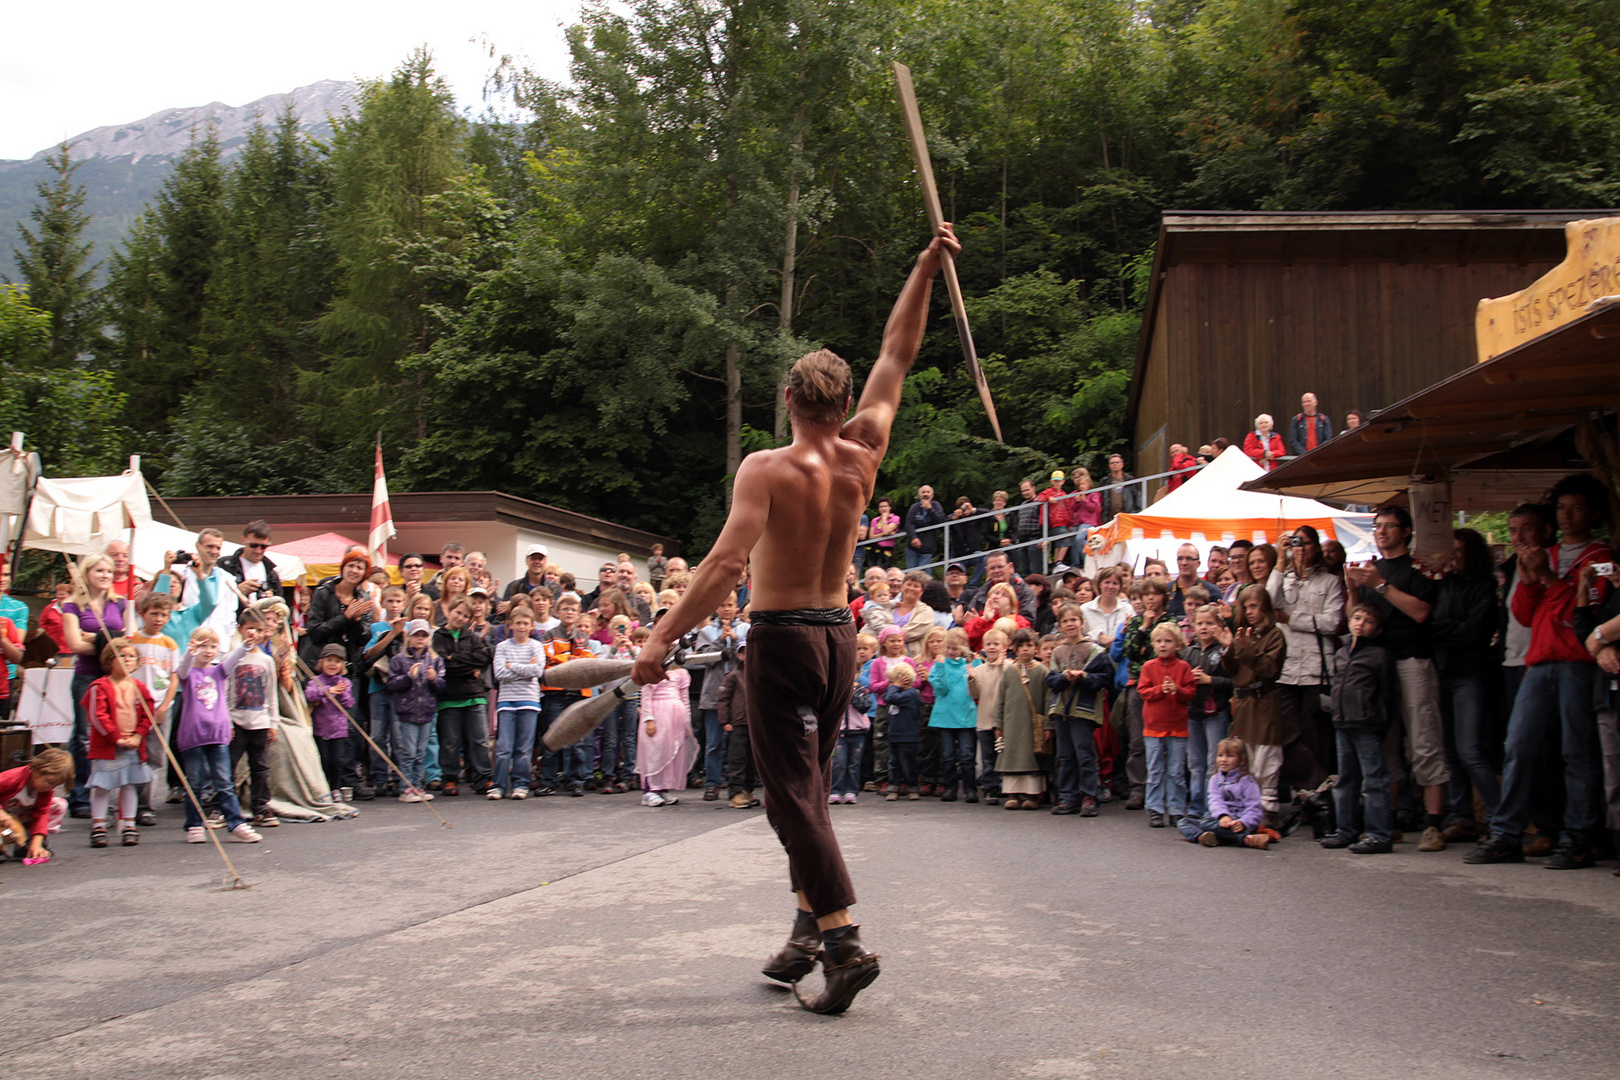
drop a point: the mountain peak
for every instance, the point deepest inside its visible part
(167, 133)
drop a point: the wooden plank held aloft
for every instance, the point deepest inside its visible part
(936, 217)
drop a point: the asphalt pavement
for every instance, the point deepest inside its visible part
(594, 937)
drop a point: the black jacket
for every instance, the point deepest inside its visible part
(920, 517)
(1462, 623)
(232, 565)
(1220, 683)
(325, 623)
(968, 537)
(1366, 691)
(466, 658)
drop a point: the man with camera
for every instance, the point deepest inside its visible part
(968, 536)
(201, 589)
(1404, 596)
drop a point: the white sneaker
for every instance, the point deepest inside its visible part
(493, 795)
(834, 799)
(669, 800)
(520, 793)
(425, 794)
(409, 795)
(244, 834)
(196, 835)
(652, 798)
(850, 798)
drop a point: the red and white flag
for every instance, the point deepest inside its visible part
(382, 518)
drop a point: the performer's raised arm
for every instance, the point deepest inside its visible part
(902, 337)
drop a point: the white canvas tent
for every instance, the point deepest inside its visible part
(1211, 509)
(83, 515)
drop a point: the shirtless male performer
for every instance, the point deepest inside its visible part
(796, 510)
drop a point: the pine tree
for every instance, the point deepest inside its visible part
(55, 261)
(403, 148)
(158, 289)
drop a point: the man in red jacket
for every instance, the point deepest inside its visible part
(1559, 680)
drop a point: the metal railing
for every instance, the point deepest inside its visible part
(902, 539)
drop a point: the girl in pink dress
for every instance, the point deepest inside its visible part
(665, 746)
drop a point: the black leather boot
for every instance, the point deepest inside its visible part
(847, 974)
(797, 958)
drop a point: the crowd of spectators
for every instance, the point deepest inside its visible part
(1472, 702)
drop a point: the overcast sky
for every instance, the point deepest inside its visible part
(91, 63)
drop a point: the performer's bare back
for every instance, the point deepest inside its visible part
(817, 489)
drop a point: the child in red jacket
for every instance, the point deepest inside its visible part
(120, 711)
(1167, 687)
(29, 807)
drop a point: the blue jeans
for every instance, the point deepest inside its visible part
(1555, 695)
(571, 765)
(430, 753)
(1204, 734)
(989, 779)
(915, 558)
(1193, 827)
(382, 724)
(846, 764)
(714, 749)
(411, 746)
(1363, 786)
(903, 764)
(956, 758)
(1167, 774)
(514, 748)
(208, 768)
(1462, 708)
(80, 746)
(1076, 759)
(619, 741)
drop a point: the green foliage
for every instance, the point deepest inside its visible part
(55, 260)
(71, 416)
(25, 330)
(585, 306)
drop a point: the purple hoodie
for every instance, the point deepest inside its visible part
(326, 718)
(1235, 794)
(204, 719)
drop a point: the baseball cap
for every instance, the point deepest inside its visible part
(956, 567)
(478, 590)
(536, 549)
(1057, 475)
(417, 626)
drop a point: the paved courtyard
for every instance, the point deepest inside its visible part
(596, 938)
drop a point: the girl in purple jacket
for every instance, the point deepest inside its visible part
(415, 680)
(1234, 803)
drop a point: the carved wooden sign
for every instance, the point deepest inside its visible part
(1590, 271)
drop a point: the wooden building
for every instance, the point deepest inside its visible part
(1247, 311)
